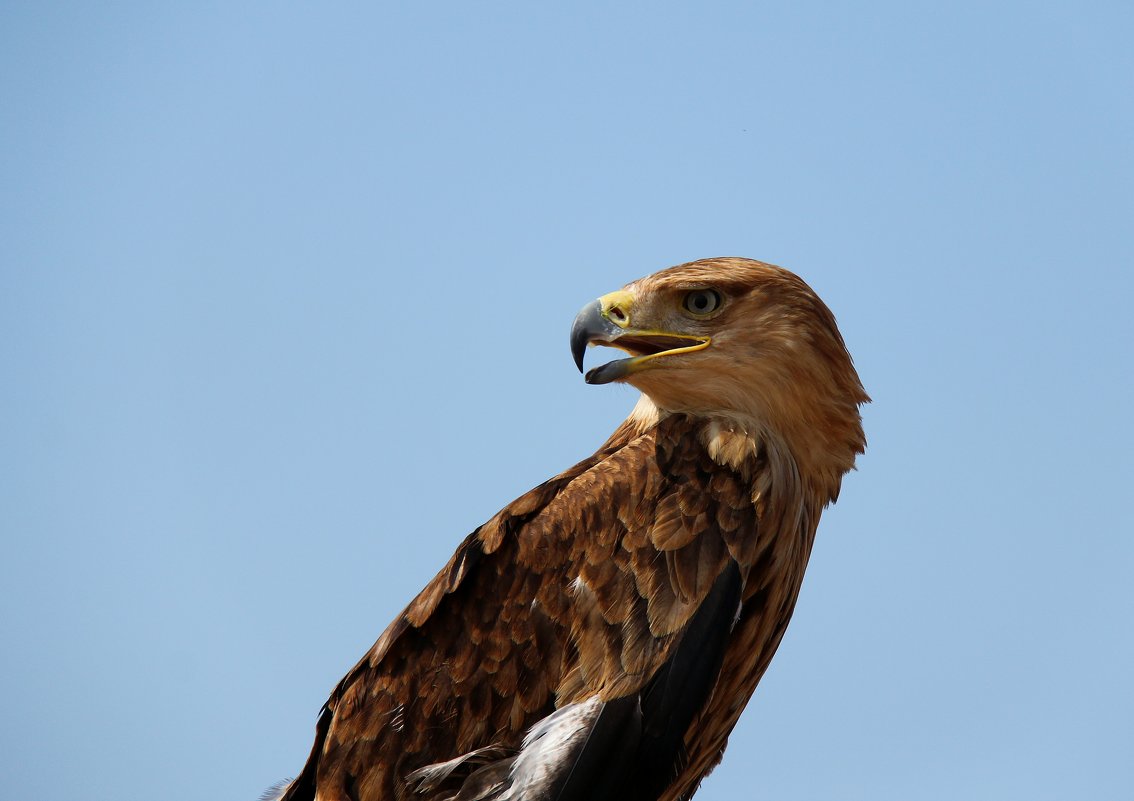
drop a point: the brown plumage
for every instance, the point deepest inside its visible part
(619, 615)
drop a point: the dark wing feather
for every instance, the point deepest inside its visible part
(681, 687)
(595, 773)
(641, 745)
(589, 586)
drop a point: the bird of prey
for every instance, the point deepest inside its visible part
(599, 637)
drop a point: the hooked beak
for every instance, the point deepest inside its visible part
(607, 321)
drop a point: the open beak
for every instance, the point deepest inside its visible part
(607, 321)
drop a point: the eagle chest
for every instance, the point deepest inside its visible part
(630, 549)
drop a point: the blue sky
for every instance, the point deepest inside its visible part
(285, 292)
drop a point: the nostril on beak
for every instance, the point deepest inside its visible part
(617, 314)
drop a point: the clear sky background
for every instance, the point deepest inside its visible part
(285, 291)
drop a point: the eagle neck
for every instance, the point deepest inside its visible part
(780, 489)
(742, 442)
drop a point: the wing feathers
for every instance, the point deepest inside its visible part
(596, 772)
(624, 749)
(432, 778)
(682, 687)
(583, 588)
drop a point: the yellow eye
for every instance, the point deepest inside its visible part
(702, 301)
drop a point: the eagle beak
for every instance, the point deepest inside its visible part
(591, 326)
(606, 321)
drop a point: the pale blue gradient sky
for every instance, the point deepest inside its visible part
(284, 300)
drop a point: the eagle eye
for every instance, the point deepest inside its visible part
(702, 301)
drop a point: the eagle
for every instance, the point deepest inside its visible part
(598, 638)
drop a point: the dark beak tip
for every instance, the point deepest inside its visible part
(588, 323)
(578, 349)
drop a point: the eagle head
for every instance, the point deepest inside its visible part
(738, 341)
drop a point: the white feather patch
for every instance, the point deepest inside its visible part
(551, 747)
